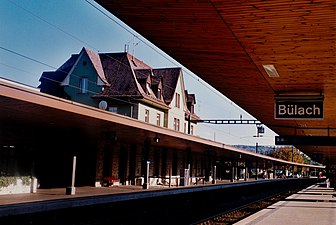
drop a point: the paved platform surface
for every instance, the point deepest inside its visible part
(315, 205)
(56, 198)
(87, 191)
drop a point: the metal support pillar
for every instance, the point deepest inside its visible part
(236, 175)
(189, 175)
(256, 170)
(245, 176)
(72, 190)
(256, 162)
(170, 177)
(232, 172)
(214, 175)
(146, 181)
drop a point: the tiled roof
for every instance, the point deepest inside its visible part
(142, 74)
(190, 97)
(119, 75)
(136, 63)
(191, 101)
(66, 67)
(125, 76)
(170, 78)
(95, 59)
(156, 80)
(59, 75)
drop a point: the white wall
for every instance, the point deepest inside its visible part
(175, 112)
(186, 125)
(152, 114)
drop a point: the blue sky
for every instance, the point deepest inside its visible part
(39, 36)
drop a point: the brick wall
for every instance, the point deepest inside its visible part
(161, 160)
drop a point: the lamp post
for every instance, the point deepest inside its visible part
(256, 162)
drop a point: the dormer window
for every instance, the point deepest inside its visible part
(159, 93)
(177, 100)
(83, 85)
(146, 115)
(176, 124)
(148, 87)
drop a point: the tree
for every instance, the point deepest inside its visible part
(286, 153)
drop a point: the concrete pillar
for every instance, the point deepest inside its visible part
(33, 186)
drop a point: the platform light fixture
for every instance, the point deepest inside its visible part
(270, 70)
(299, 95)
(260, 130)
(156, 139)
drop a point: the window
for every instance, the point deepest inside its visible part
(159, 93)
(146, 115)
(176, 124)
(192, 130)
(158, 119)
(177, 100)
(113, 109)
(148, 87)
(83, 85)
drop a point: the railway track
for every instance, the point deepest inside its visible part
(234, 215)
(206, 205)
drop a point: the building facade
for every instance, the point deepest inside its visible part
(123, 84)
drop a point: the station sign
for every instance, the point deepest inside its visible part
(306, 140)
(295, 109)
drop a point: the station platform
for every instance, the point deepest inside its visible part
(187, 203)
(56, 198)
(313, 205)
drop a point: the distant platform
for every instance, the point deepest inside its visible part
(313, 205)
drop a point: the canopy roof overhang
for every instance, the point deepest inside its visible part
(27, 114)
(226, 43)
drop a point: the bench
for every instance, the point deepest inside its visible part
(110, 181)
(198, 179)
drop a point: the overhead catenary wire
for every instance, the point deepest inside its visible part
(16, 68)
(224, 132)
(73, 74)
(75, 37)
(50, 66)
(131, 32)
(60, 29)
(52, 25)
(163, 55)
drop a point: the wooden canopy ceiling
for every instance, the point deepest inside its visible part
(227, 42)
